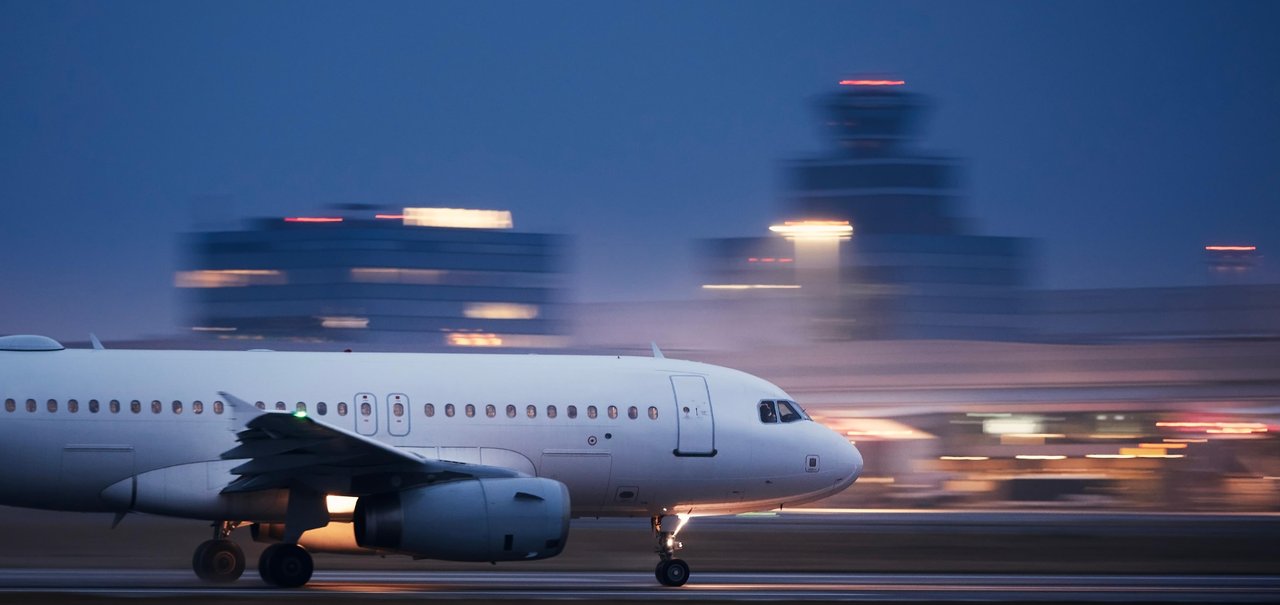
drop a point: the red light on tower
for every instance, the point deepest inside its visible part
(872, 82)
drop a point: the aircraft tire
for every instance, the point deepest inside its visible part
(285, 565)
(218, 561)
(673, 572)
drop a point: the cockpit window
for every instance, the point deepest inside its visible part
(789, 412)
(768, 413)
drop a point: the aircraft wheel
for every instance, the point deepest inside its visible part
(218, 561)
(285, 565)
(673, 572)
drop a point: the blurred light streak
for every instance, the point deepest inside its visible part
(389, 275)
(872, 82)
(345, 322)
(1174, 440)
(1114, 456)
(1163, 446)
(474, 340)
(228, 278)
(500, 311)
(823, 230)
(458, 218)
(1231, 248)
(312, 219)
(211, 329)
(964, 458)
(1040, 457)
(750, 287)
(394, 217)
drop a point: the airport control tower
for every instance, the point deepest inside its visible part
(907, 265)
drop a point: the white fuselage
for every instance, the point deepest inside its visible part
(688, 449)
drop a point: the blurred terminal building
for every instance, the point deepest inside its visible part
(418, 277)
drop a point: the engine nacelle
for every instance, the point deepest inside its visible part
(471, 520)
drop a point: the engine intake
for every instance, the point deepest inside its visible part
(471, 520)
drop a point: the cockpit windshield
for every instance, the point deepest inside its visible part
(772, 412)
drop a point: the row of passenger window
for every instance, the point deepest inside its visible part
(93, 406)
(491, 411)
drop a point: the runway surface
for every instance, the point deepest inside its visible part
(52, 585)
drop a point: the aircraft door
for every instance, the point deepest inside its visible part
(695, 422)
(366, 413)
(398, 414)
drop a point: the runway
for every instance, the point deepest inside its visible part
(53, 585)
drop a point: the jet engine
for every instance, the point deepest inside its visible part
(469, 520)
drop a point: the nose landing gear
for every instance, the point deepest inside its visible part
(670, 571)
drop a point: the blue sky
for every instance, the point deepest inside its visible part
(1123, 136)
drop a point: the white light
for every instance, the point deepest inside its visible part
(500, 311)
(345, 323)
(813, 229)
(458, 218)
(1039, 457)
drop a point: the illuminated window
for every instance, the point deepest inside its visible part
(633, 412)
(448, 410)
(135, 406)
(114, 406)
(591, 412)
(197, 407)
(93, 406)
(470, 410)
(322, 408)
(490, 410)
(551, 411)
(300, 407)
(531, 411)
(217, 407)
(31, 405)
(280, 406)
(653, 413)
(73, 406)
(52, 405)
(397, 409)
(429, 409)
(571, 411)
(342, 408)
(177, 407)
(10, 405)
(156, 406)
(511, 411)
(613, 412)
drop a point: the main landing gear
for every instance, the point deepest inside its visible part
(670, 571)
(221, 560)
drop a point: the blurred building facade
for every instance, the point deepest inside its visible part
(422, 277)
(905, 265)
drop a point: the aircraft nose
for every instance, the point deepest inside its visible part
(847, 459)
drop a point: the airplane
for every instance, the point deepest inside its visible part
(457, 457)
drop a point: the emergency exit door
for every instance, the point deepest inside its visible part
(696, 430)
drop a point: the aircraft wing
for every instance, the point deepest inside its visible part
(284, 449)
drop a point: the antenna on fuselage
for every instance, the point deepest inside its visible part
(657, 353)
(97, 344)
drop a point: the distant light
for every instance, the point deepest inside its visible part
(1230, 248)
(965, 458)
(312, 219)
(474, 340)
(211, 329)
(299, 414)
(813, 230)
(1040, 457)
(395, 217)
(1163, 446)
(750, 287)
(229, 278)
(458, 218)
(872, 82)
(345, 323)
(500, 311)
(1111, 456)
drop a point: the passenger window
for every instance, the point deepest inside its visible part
(177, 407)
(633, 412)
(490, 410)
(342, 408)
(135, 406)
(322, 408)
(571, 411)
(591, 412)
(551, 411)
(197, 407)
(511, 411)
(52, 405)
(429, 410)
(470, 410)
(217, 407)
(73, 406)
(653, 413)
(280, 406)
(768, 413)
(114, 406)
(93, 406)
(156, 406)
(786, 413)
(613, 412)
(531, 411)
(302, 407)
(397, 409)
(31, 405)
(366, 409)
(10, 405)
(448, 410)
(261, 405)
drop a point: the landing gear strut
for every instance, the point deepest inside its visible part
(219, 560)
(670, 571)
(285, 565)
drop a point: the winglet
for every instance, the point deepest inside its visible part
(97, 344)
(657, 353)
(241, 411)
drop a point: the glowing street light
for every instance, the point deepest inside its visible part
(824, 230)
